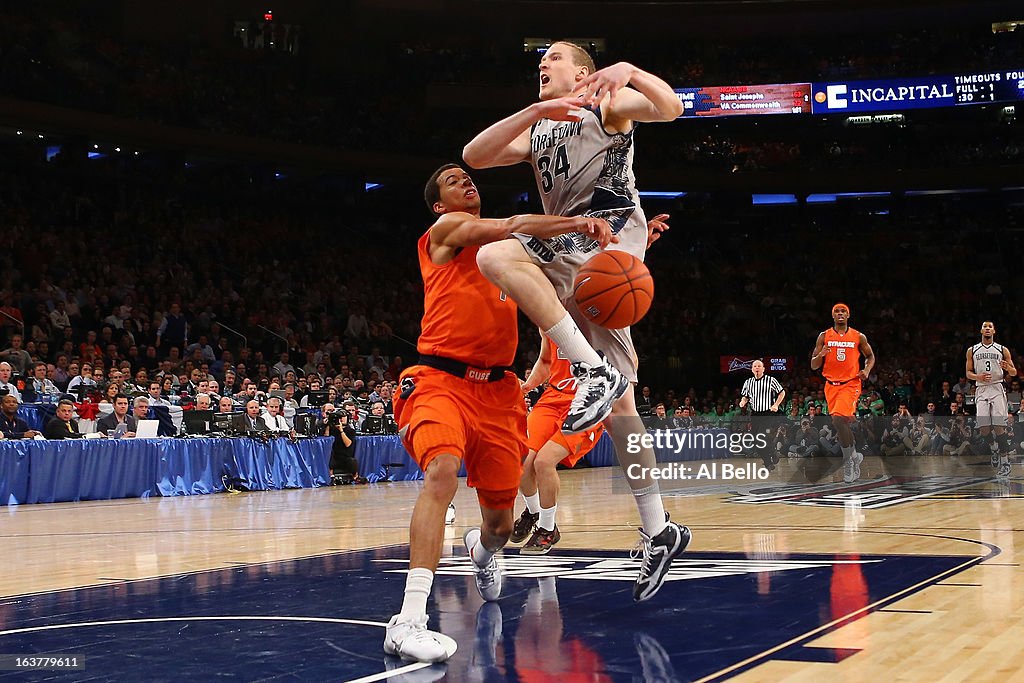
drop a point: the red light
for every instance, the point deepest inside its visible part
(268, 16)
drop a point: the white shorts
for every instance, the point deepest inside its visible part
(561, 257)
(990, 400)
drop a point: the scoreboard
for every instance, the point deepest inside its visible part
(736, 100)
(989, 87)
(833, 97)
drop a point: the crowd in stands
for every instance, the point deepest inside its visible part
(79, 60)
(129, 276)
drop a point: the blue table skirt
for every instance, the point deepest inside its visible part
(96, 469)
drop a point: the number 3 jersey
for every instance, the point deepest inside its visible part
(583, 170)
(986, 359)
(842, 363)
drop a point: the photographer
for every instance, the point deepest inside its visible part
(343, 452)
(893, 437)
(804, 443)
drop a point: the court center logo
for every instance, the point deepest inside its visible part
(878, 493)
(594, 568)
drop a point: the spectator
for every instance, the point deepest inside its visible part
(173, 330)
(12, 426)
(39, 386)
(62, 426)
(659, 420)
(18, 357)
(250, 421)
(119, 420)
(156, 396)
(140, 408)
(59, 317)
(6, 386)
(282, 367)
(274, 417)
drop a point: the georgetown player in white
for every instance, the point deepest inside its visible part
(987, 364)
(579, 140)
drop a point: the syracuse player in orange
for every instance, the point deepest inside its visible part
(548, 447)
(462, 403)
(839, 350)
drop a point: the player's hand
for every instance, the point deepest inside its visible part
(606, 81)
(655, 227)
(985, 376)
(862, 373)
(1004, 364)
(597, 229)
(569, 108)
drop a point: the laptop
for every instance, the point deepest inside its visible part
(197, 421)
(147, 429)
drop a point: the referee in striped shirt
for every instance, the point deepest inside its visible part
(765, 395)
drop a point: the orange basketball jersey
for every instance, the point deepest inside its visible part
(465, 317)
(842, 362)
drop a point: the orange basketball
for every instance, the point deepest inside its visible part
(614, 289)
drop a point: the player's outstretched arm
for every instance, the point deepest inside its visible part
(507, 142)
(820, 351)
(652, 100)
(460, 229)
(869, 357)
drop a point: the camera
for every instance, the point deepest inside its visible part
(336, 418)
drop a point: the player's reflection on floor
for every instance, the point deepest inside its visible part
(534, 630)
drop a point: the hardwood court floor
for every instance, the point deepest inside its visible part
(912, 574)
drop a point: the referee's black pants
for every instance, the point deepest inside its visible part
(764, 422)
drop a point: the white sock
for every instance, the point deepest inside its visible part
(481, 555)
(571, 341)
(547, 518)
(532, 502)
(652, 511)
(847, 452)
(417, 589)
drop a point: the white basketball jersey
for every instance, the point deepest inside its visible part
(986, 359)
(582, 169)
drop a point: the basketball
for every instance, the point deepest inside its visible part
(614, 289)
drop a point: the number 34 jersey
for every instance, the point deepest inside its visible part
(582, 169)
(986, 359)
(842, 363)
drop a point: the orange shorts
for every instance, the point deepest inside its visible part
(544, 423)
(484, 425)
(842, 398)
